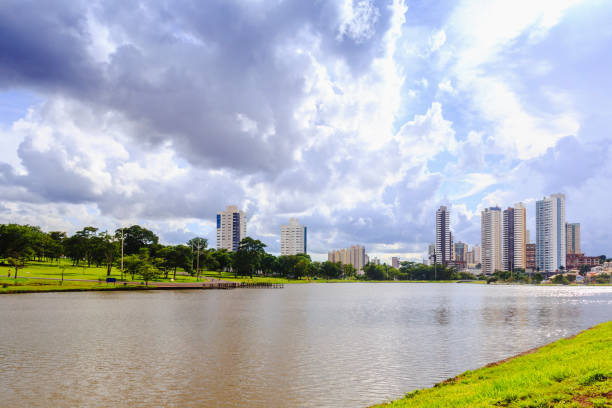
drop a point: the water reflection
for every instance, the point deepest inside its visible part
(306, 345)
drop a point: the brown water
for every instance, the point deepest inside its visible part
(318, 345)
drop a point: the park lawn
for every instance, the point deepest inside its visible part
(53, 270)
(573, 372)
(32, 285)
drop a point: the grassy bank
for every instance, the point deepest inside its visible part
(574, 372)
(34, 285)
(54, 270)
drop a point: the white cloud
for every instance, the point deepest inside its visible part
(437, 40)
(446, 86)
(426, 135)
(358, 18)
(481, 32)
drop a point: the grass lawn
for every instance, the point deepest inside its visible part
(574, 372)
(33, 285)
(53, 270)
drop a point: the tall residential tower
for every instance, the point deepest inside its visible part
(231, 228)
(550, 233)
(514, 238)
(491, 246)
(443, 236)
(572, 234)
(293, 238)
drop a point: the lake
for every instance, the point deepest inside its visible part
(315, 345)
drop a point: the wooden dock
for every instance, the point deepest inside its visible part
(241, 285)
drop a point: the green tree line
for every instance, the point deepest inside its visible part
(145, 258)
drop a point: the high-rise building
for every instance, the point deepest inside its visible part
(550, 233)
(431, 250)
(355, 255)
(476, 252)
(514, 237)
(491, 252)
(395, 263)
(572, 234)
(508, 239)
(530, 257)
(293, 238)
(443, 236)
(231, 228)
(461, 251)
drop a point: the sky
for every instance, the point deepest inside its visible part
(359, 117)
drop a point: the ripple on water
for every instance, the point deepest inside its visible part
(306, 345)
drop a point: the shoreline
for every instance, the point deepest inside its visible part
(574, 371)
(74, 285)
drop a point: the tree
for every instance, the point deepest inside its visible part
(223, 258)
(198, 246)
(106, 248)
(181, 258)
(268, 264)
(87, 241)
(301, 267)
(57, 247)
(374, 272)
(16, 244)
(75, 249)
(560, 279)
(135, 238)
(17, 263)
(331, 270)
(165, 259)
(349, 271)
(392, 272)
(148, 272)
(247, 258)
(132, 264)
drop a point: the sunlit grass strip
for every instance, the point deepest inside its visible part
(53, 270)
(32, 285)
(574, 372)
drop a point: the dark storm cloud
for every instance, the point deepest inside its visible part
(185, 70)
(42, 45)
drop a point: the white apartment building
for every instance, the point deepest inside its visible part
(550, 233)
(444, 245)
(293, 238)
(491, 246)
(231, 228)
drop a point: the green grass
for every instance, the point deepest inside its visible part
(53, 270)
(574, 372)
(32, 285)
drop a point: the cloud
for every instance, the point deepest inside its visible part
(321, 110)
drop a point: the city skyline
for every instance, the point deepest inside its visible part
(358, 118)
